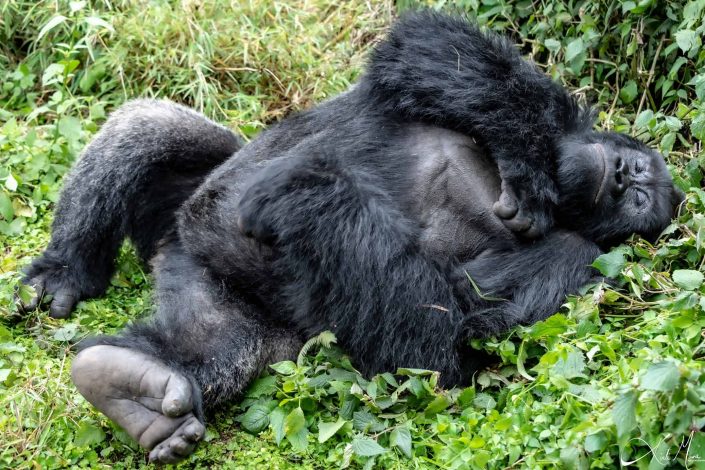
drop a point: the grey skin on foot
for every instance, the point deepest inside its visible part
(150, 401)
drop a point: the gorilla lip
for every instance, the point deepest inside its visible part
(603, 184)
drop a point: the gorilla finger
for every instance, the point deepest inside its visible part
(533, 232)
(36, 300)
(194, 431)
(63, 303)
(181, 446)
(164, 455)
(504, 209)
(177, 399)
(518, 224)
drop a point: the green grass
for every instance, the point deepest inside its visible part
(618, 372)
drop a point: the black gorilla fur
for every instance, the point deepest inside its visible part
(364, 215)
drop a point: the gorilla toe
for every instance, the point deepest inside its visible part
(152, 402)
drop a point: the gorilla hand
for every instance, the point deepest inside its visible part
(517, 215)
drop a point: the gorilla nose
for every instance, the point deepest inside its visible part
(621, 176)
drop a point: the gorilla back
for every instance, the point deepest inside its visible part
(453, 158)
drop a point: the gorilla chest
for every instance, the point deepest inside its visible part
(454, 187)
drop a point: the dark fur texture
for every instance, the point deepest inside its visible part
(477, 83)
(346, 217)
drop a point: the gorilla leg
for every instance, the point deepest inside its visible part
(201, 348)
(147, 159)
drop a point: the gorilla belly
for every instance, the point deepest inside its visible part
(455, 185)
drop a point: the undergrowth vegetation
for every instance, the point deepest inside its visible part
(614, 379)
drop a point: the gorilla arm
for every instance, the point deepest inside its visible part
(350, 262)
(533, 279)
(442, 70)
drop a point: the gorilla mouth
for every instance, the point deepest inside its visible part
(605, 176)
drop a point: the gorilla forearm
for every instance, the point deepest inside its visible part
(536, 278)
(442, 70)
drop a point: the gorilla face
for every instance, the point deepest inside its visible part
(611, 185)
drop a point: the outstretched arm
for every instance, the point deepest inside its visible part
(443, 70)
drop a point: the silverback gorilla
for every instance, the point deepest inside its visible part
(451, 158)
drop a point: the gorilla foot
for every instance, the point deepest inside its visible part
(150, 401)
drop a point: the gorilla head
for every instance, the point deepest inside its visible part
(611, 186)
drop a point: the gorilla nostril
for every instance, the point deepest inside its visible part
(618, 177)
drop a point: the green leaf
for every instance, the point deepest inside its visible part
(88, 435)
(401, 439)
(256, 419)
(284, 367)
(6, 210)
(688, 279)
(70, 128)
(697, 125)
(552, 45)
(276, 422)
(552, 326)
(328, 430)
(575, 47)
(298, 440)
(294, 421)
(66, 332)
(99, 23)
(484, 401)
(438, 404)
(667, 142)
(466, 397)
(611, 264)
(628, 6)
(596, 442)
(624, 413)
(696, 450)
(572, 366)
(661, 377)
(51, 24)
(295, 429)
(366, 421)
(413, 372)
(11, 182)
(262, 386)
(628, 92)
(644, 119)
(366, 447)
(686, 39)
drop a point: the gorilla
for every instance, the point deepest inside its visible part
(452, 193)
